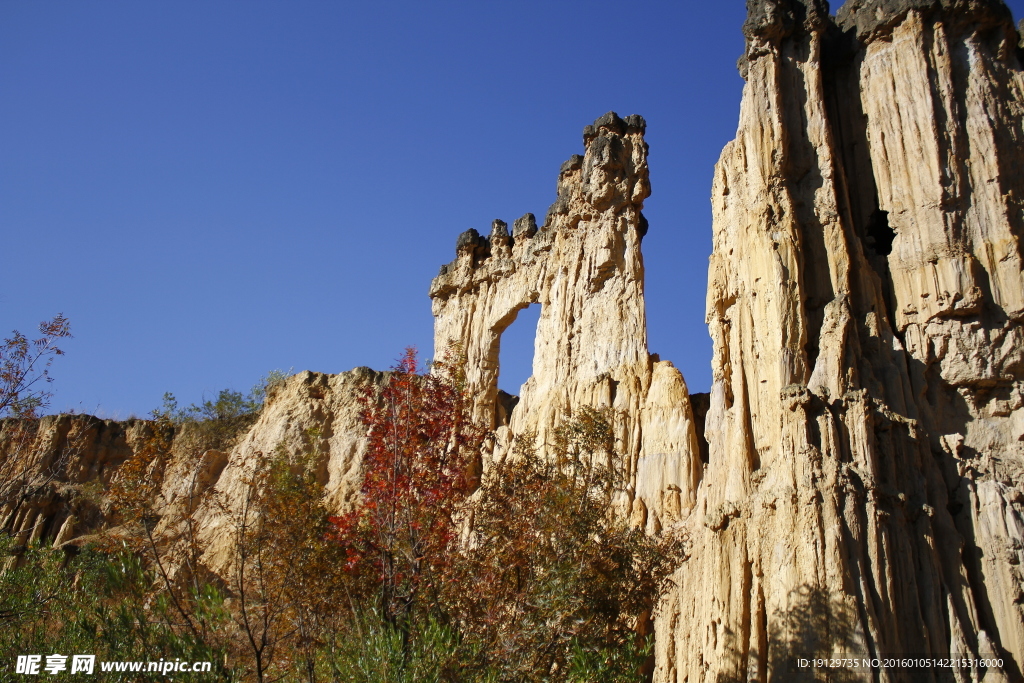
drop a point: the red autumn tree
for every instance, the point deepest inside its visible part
(419, 468)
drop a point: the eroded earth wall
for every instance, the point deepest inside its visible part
(56, 474)
(865, 489)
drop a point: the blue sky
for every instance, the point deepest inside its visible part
(211, 190)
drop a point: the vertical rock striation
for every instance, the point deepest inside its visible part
(584, 268)
(53, 472)
(865, 486)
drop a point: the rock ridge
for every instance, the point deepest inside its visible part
(872, 19)
(68, 464)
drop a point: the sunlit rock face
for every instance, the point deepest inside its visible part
(584, 267)
(66, 465)
(311, 413)
(865, 486)
(53, 474)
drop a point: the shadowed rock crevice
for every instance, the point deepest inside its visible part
(700, 404)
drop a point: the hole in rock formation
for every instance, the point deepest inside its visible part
(701, 404)
(515, 351)
(880, 235)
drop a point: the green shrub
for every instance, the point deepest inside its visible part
(54, 601)
(228, 405)
(374, 651)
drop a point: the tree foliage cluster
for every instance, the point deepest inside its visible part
(228, 405)
(441, 572)
(214, 423)
(25, 368)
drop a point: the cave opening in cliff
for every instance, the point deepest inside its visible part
(516, 349)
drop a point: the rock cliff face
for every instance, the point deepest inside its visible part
(53, 474)
(311, 413)
(584, 268)
(865, 486)
(63, 468)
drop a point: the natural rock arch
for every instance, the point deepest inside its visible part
(585, 269)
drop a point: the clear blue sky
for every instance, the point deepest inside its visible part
(211, 190)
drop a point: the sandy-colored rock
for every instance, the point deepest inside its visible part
(70, 462)
(864, 486)
(310, 413)
(53, 473)
(585, 269)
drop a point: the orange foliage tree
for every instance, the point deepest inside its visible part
(553, 578)
(24, 377)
